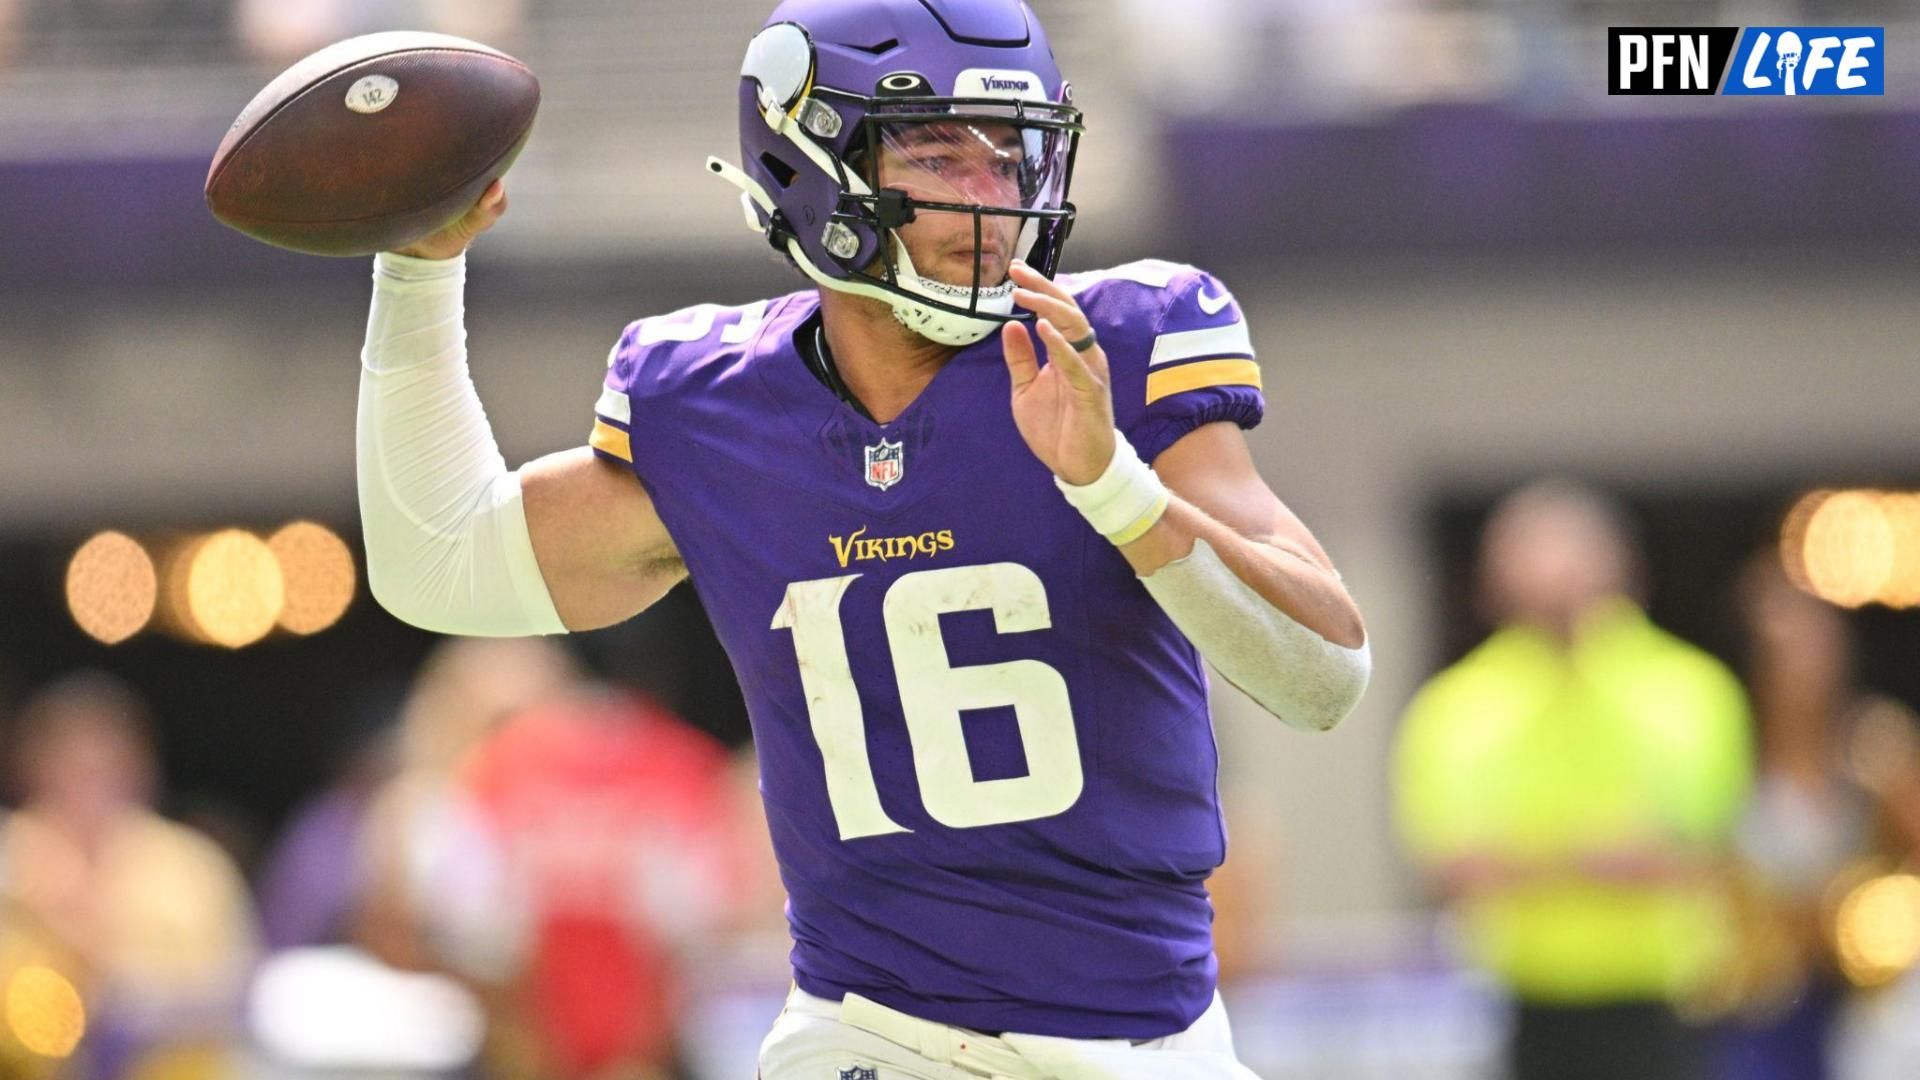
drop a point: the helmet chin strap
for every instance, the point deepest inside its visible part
(940, 327)
(945, 327)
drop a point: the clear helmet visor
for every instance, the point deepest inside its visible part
(976, 174)
(975, 161)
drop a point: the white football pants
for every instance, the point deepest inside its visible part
(816, 1039)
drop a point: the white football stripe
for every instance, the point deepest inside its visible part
(1230, 340)
(615, 406)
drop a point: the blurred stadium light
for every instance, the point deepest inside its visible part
(111, 587)
(227, 588)
(319, 575)
(1877, 929)
(44, 1012)
(1853, 548)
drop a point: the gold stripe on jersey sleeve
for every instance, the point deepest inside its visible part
(611, 440)
(1174, 380)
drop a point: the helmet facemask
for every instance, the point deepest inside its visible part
(985, 182)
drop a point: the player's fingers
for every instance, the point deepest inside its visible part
(1072, 364)
(1063, 312)
(1023, 364)
(1093, 358)
(1073, 322)
(490, 209)
(1026, 276)
(1062, 308)
(484, 213)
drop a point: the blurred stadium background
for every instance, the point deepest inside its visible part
(1466, 266)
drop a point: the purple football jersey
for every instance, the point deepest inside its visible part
(985, 752)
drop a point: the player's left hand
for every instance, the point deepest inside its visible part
(1064, 410)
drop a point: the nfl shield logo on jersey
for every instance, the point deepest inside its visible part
(886, 463)
(859, 1073)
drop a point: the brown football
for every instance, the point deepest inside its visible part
(372, 143)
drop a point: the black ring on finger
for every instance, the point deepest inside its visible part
(1087, 342)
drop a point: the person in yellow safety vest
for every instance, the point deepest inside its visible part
(1571, 786)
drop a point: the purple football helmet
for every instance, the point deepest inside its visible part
(962, 101)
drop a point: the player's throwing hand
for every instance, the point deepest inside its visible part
(1065, 409)
(455, 238)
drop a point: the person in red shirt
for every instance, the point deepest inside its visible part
(612, 820)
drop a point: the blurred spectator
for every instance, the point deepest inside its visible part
(321, 1005)
(1570, 785)
(613, 821)
(314, 877)
(556, 849)
(225, 822)
(1883, 757)
(280, 32)
(149, 921)
(1830, 768)
(421, 850)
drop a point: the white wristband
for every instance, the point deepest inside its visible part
(1125, 501)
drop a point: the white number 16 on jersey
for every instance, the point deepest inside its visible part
(933, 694)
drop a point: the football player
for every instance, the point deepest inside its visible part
(966, 528)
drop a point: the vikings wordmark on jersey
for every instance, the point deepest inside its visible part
(985, 752)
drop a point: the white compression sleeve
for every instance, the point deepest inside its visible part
(1307, 681)
(446, 534)
(1293, 672)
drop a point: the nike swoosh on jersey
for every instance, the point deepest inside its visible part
(1214, 305)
